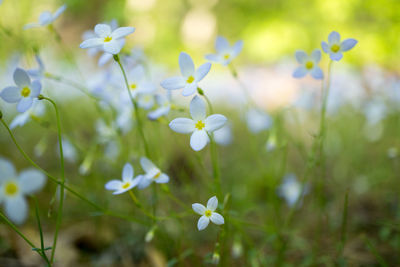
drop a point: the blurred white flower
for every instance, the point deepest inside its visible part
(46, 18)
(24, 93)
(271, 143)
(37, 110)
(14, 187)
(69, 150)
(164, 106)
(225, 53)
(308, 64)
(128, 181)
(290, 189)
(223, 136)
(375, 110)
(208, 214)
(107, 39)
(139, 85)
(146, 101)
(258, 120)
(39, 72)
(335, 47)
(153, 174)
(190, 77)
(200, 125)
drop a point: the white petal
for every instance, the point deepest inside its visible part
(325, 47)
(113, 185)
(127, 172)
(102, 30)
(59, 12)
(144, 182)
(300, 72)
(137, 74)
(186, 64)
(24, 104)
(189, 89)
(31, 181)
(348, 44)
(93, 42)
(36, 88)
(112, 47)
(334, 37)
(16, 209)
(45, 18)
(237, 48)
(199, 208)
(137, 180)
(221, 44)
(212, 203)
(173, 83)
(301, 56)
(202, 71)
(316, 55)
(217, 218)
(158, 113)
(21, 78)
(122, 32)
(199, 140)
(213, 57)
(203, 222)
(197, 108)
(19, 120)
(147, 164)
(7, 170)
(104, 58)
(162, 179)
(317, 73)
(182, 125)
(11, 94)
(31, 25)
(336, 56)
(214, 122)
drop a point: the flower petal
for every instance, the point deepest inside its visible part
(162, 111)
(36, 88)
(199, 208)
(24, 104)
(316, 55)
(21, 78)
(7, 170)
(317, 73)
(199, 140)
(102, 30)
(182, 125)
(144, 182)
(202, 71)
(336, 56)
(217, 218)
(300, 72)
(173, 83)
(334, 37)
(213, 57)
(212, 203)
(31, 181)
(203, 223)
(16, 209)
(11, 94)
(113, 185)
(162, 179)
(348, 44)
(325, 47)
(186, 64)
(147, 164)
(127, 172)
(301, 56)
(59, 12)
(92, 42)
(197, 108)
(112, 47)
(221, 44)
(104, 58)
(214, 122)
(122, 32)
(237, 48)
(189, 89)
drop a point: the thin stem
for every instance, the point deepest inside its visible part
(135, 107)
(40, 232)
(242, 86)
(61, 79)
(61, 204)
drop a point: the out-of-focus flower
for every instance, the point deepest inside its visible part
(271, 143)
(223, 136)
(375, 110)
(258, 120)
(290, 189)
(308, 64)
(208, 214)
(46, 18)
(128, 181)
(335, 47)
(69, 150)
(190, 77)
(37, 110)
(139, 85)
(107, 39)
(153, 174)
(146, 101)
(39, 72)
(14, 187)
(164, 106)
(200, 125)
(225, 53)
(24, 93)
(392, 152)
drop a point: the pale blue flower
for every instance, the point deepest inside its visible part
(208, 213)
(225, 53)
(39, 72)
(153, 174)
(127, 183)
(308, 64)
(335, 47)
(46, 18)
(37, 110)
(164, 106)
(258, 120)
(291, 189)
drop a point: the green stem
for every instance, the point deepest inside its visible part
(74, 84)
(215, 164)
(40, 232)
(61, 204)
(242, 86)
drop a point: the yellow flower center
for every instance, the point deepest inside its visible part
(335, 48)
(190, 79)
(309, 65)
(25, 92)
(107, 39)
(11, 188)
(126, 185)
(157, 175)
(133, 86)
(226, 56)
(199, 125)
(208, 213)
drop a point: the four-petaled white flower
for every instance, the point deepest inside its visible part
(190, 77)
(308, 64)
(14, 187)
(128, 181)
(200, 126)
(153, 174)
(208, 214)
(46, 18)
(23, 93)
(107, 39)
(225, 53)
(164, 106)
(335, 47)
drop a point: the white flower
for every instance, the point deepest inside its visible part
(190, 77)
(223, 136)
(46, 18)
(225, 53)
(308, 64)
(208, 213)
(146, 101)
(23, 93)
(127, 183)
(106, 39)
(290, 189)
(14, 187)
(200, 125)
(335, 47)
(138, 84)
(69, 150)
(164, 106)
(37, 110)
(39, 72)
(258, 120)
(153, 174)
